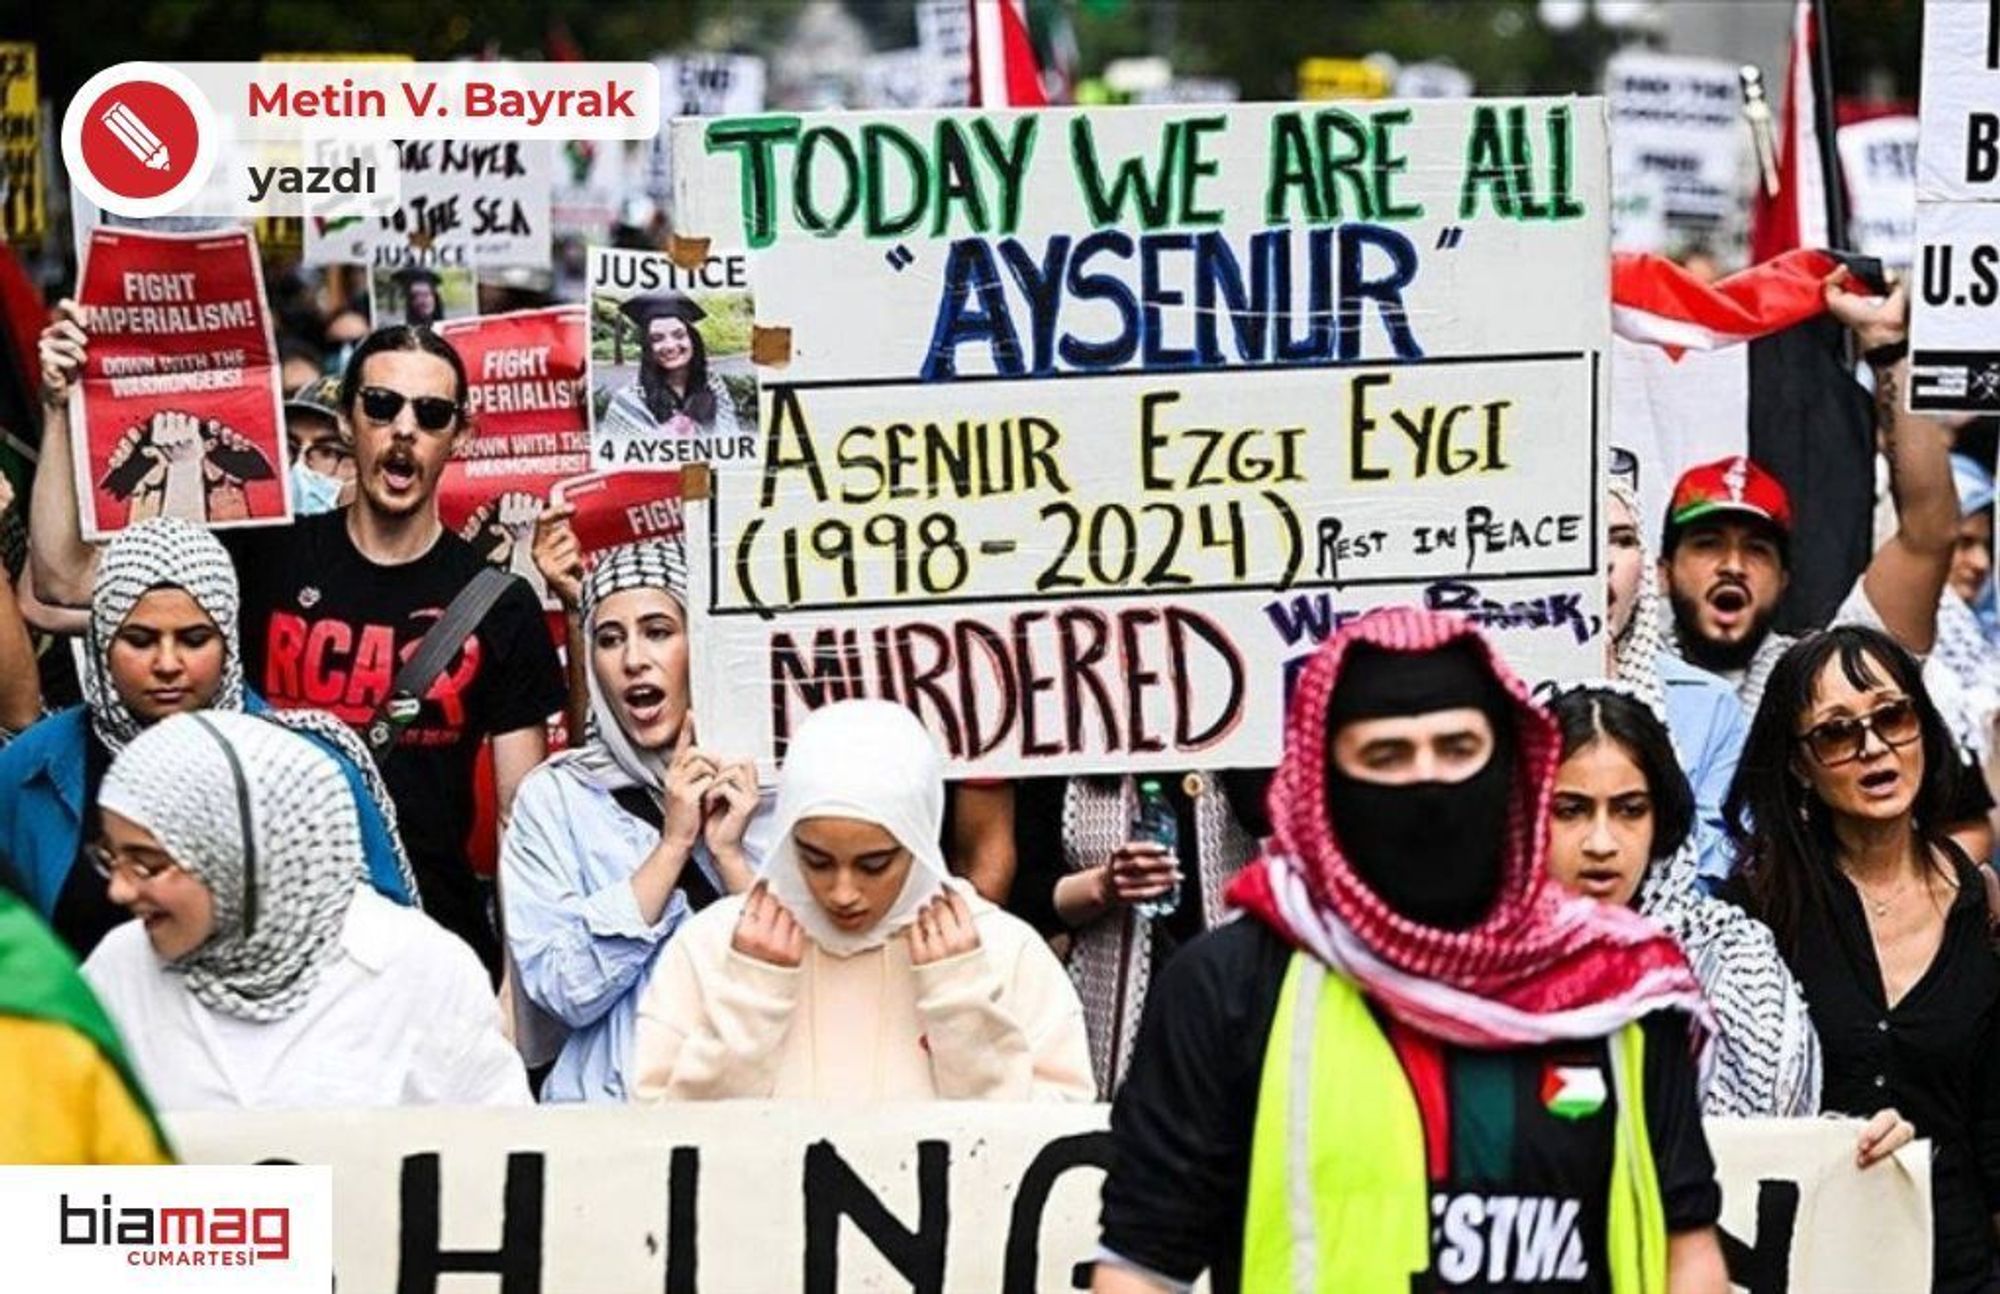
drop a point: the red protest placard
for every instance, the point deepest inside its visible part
(178, 410)
(614, 508)
(530, 428)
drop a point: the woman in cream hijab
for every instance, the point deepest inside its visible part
(858, 968)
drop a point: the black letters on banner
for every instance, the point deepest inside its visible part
(518, 1260)
(1024, 1230)
(1765, 1267)
(683, 1187)
(832, 1189)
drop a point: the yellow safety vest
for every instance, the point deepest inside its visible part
(1339, 1197)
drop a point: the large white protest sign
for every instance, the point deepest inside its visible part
(478, 203)
(1954, 338)
(1677, 151)
(1878, 157)
(1081, 428)
(752, 1197)
(1961, 101)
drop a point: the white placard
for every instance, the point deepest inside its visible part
(1080, 428)
(1954, 327)
(751, 1197)
(464, 202)
(1677, 148)
(1879, 159)
(1961, 101)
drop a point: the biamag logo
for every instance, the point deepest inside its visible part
(216, 1229)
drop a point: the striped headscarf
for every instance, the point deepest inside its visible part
(608, 756)
(163, 553)
(1538, 967)
(264, 819)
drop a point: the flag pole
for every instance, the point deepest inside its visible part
(1824, 125)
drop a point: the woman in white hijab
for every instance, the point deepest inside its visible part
(263, 969)
(858, 968)
(612, 845)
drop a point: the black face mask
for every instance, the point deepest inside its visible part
(1433, 851)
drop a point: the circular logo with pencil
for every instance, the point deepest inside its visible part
(137, 139)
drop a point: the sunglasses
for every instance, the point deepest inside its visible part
(434, 412)
(1840, 741)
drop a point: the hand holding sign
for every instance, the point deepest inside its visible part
(1876, 320)
(62, 348)
(557, 555)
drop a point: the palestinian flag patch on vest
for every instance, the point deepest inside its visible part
(1573, 1091)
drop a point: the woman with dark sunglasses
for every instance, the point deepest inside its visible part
(1838, 815)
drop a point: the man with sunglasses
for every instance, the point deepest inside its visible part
(335, 603)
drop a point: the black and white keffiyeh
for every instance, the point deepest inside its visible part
(1764, 1058)
(163, 553)
(264, 819)
(608, 755)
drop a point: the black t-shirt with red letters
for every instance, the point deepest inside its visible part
(324, 627)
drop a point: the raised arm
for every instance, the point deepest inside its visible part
(1907, 574)
(64, 565)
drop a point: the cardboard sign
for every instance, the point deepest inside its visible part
(1954, 336)
(178, 410)
(758, 1196)
(699, 403)
(944, 34)
(1677, 151)
(484, 202)
(1086, 426)
(24, 206)
(526, 406)
(618, 508)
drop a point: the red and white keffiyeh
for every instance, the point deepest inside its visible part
(1541, 966)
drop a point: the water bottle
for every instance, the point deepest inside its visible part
(1157, 824)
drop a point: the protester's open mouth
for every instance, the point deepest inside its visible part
(850, 920)
(1880, 782)
(1599, 882)
(400, 472)
(1730, 603)
(644, 702)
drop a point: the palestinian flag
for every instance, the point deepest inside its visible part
(1573, 1091)
(70, 1091)
(1751, 365)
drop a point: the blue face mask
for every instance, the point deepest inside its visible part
(313, 492)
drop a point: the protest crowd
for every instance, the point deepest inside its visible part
(356, 755)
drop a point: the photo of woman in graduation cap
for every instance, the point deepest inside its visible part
(676, 388)
(423, 295)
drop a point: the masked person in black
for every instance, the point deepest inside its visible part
(1415, 1066)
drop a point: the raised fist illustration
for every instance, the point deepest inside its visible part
(176, 464)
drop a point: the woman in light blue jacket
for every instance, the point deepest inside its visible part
(612, 845)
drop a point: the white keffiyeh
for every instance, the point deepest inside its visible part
(263, 818)
(163, 553)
